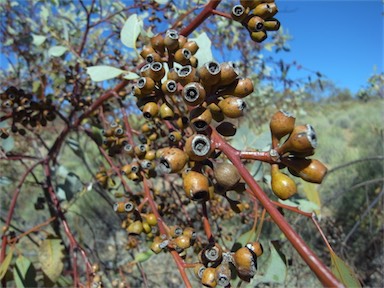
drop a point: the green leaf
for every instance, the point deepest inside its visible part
(204, 54)
(103, 72)
(7, 144)
(343, 272)
(38, 39)
(307, 206)
(275, 271)
(57, 51)
(24, 273)
(312, 194)
(162, 1)
(4, 266)
(131, 30)
(244, 239)
(143, 256)
(51, 258)
(72, 185)
(131, 76)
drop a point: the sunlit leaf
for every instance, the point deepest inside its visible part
(24, 273)
(4, 266)
(57, 51)
(312, 194)
(103, 72)
(51, 258)
(162, 1)
(131, 76)
(143, 256)
(131, 30)
(204, 54)
(38, 39)
(307, 206)
(343, 272)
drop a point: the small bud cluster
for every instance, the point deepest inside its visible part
(25, 111)
(257, 17)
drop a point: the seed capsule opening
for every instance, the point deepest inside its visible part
(173, 34)
(156, 66)
(311, 135)
(238, 10)
(201, 145)
(184, 71)
(129, 206)
(171, 86)
(213, 67)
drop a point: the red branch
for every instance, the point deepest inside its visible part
(315, 264)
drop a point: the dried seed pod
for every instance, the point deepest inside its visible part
(147, 229)
(182, 56)
(190, 232)
(157, 43)
(182, 40)
(282, 123)
(187, 74)
(156, 246)
(169, 87)
(172, 74)
(212, 255)
(232, 107)
(128, 149)
(271, 24)
(141, 150)
(191, 46)
(173, 160)
(175, 231)
(198, 147)
(302, 141)
(198, 270)
(171, 40)
(245, 262)
(126, 169)
(310, 170)
(240, 88)
(265, 10)
(196, 186)
(121, 207)
(200, 118)
(255, 24)
(223, 274)
(153, 57)
(182, 241)
(182, 122)
(150, 155)
(193, 94)
(229, 73)
(208, 278)
(150, 110)
(251, 3)
(147, 50)
(151, 219)
(166, 111)
(282, 185)
(258, 36)
(209, 73)
(135, 227)
(146, 85)
(174, 136)
(256, 248)
(157, 71)
(239, 13)
(226, 174)
(145, 71)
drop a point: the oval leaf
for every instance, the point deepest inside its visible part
(131, 76)
(4, 266)
(50, 257)
(131, 30)
(24, 273)
(143, 256)
(38, 39)
(343, 272)
(57, 51)
(103, 72)
(7, 144)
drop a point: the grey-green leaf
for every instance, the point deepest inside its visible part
(38, 39)
(131, 30)
(204, 54)
(57, 51)
(103, 72)
(24, 273)
(7, 144)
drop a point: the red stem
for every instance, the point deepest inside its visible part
(315, 264)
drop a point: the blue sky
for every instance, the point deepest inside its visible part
(341, 39)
